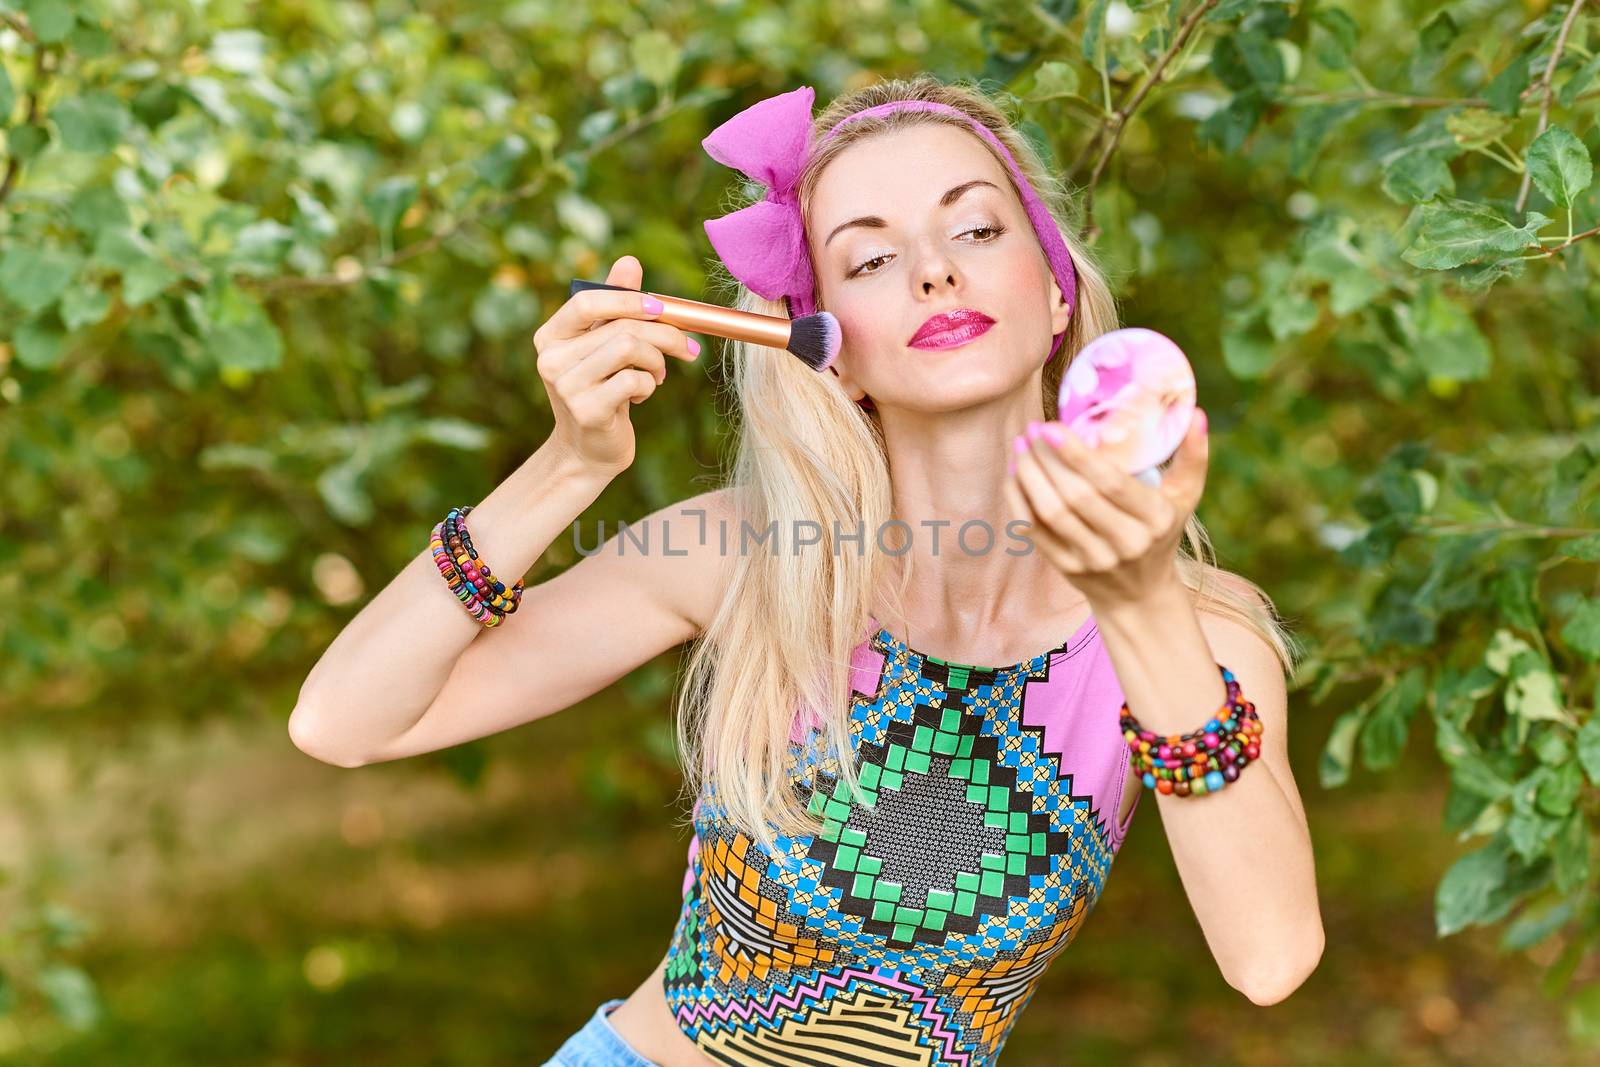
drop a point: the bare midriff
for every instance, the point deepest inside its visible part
(645, 1022)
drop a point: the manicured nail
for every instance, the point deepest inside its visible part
(652, 306)
(1033, 430)
(1019, 444)
(694, 347)
(1053, 433)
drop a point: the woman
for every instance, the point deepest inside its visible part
(898, 906)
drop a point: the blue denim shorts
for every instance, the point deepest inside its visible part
(598, 1044)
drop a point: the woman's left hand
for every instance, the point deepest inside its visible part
(1114, 536)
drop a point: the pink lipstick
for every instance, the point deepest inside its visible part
(949, 329)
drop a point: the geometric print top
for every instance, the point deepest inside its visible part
(915, 933)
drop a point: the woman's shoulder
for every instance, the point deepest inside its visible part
(692, 537)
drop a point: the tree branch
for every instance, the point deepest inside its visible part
(1547, 87)
(1117, 121)
(1568, 243)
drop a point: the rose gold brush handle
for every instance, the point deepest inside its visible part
(769, 330)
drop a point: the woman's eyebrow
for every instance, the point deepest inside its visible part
(876, 222)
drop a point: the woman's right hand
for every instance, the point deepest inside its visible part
(597, 355)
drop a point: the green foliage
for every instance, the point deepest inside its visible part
(268, 277)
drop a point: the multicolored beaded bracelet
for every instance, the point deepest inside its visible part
(485, 597)
(1201, 761)
(491, 591)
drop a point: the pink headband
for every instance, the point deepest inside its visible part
(764, 244)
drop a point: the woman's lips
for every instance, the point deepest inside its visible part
(949, 331)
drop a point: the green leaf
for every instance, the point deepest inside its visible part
(241, 336)
(1465, 895)
(1352, 283)
(1474, 776)
(454, 433)
(503, 313)
(1580, 81)
(1247, 347)
(1228, 10)
(1053, 80)
(8, 97)
(33, 277)
(1448, 342)
(71, 995)
(1094, 26)
(656, 56)
(1504, 93)
(1537, 923)
(50, 20)
(1433, 41)
(26, 142)
(1229, 126)
(1414, 177)
(1456, 231)
(1587, 547)
(39, 344)
(1477, 127)
(1559, 789)
(1247, 58)
(1560, 165)
(95, 208)
(1291, 314)
(1384, 735)
(1589, 748)
(1552, 747)
(390, 200)
(1334, 767)
(1535, 696)
(497, 165)
(84, 305)
(342, 490)
(144, 281)
(1582, 631)
(1310, 133)
(1336, 44)
(1572, 853)
(92, 122)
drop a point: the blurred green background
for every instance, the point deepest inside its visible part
(268, 278)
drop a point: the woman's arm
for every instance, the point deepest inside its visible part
(413, 672)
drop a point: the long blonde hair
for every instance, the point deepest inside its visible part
(782, 637)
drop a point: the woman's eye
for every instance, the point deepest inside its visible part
(994, 231)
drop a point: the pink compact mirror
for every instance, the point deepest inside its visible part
(1129, 395)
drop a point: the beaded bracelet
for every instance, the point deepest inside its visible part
(1201, 761)
(484, 596)
(487, 588)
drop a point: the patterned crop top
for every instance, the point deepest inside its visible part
(914, 934)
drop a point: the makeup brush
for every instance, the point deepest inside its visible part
(813, 338)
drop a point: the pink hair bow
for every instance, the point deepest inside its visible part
(764, 244)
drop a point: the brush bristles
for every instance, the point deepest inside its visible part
(815, 339)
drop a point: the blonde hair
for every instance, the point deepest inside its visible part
(783, 635)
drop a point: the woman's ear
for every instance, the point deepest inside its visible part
(840, 370)
(1060, 310)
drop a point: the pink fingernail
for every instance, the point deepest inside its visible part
(1019, 444)
(694, 347)
(1033, 430)
(1053, 433)
(652, 306)
(1205, 423)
